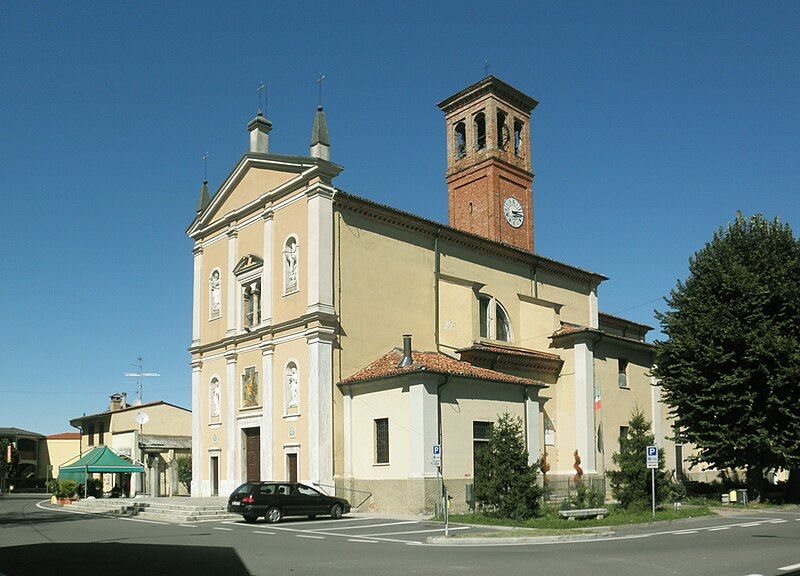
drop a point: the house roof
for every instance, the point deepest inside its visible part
(65, 436)
(621, 320)
(126, 409)
(498, 356)
(511, 350)
(19, 432)
(432, 362)
(574, 329)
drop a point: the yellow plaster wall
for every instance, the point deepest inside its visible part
(255, 183)
(391, 403)
(289, 220)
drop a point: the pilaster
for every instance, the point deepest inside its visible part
(268, 269)
(533, 424)
(267, 425)
(197, 374)
(584, 405)
(347, 430)
(423, 429)
(320, 248)
(320, 405)
(233, 235)
(197, 294)
(232, 478)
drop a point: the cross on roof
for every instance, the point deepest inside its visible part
(319, 82)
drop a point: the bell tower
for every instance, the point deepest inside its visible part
(489, 174)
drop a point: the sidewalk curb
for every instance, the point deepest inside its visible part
(478, 541)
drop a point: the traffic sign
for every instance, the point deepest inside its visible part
(652, 457)
(437, 455)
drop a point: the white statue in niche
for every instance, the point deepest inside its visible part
(292, 387)
(290, 254)
(216, 294)
(215, 402)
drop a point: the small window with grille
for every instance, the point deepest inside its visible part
(381, 441)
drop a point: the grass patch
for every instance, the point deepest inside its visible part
(616, 517)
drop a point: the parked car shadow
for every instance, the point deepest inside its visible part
(79, 559)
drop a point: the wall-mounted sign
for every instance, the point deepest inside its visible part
(292, 432)
(214, 438)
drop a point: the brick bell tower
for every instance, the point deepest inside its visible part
(489, 174)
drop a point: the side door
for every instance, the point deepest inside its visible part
(286, 501)
(311, 500)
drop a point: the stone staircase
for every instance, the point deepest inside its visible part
(159, 509)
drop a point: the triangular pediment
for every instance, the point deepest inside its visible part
(252, 181)
(249, 262)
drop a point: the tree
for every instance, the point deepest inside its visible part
(185, 472)
(505, 484)
(631, 483)
(730, 367)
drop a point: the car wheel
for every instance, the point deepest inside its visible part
(273, 515)
(250, 518)
(337, 511)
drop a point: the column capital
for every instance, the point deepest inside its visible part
(320, 189)
(267, 348)
(197, 250)
(231, 357)
(232, 231)
(268, 214)
(197, 365)
(320, 334)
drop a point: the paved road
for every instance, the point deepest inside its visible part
(34, 541)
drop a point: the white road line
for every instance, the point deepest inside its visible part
(686, 532)
(263, 532)
(778, 521)
(340, 520)
(188, 525)
(226, 529)
(145, 521)
(719, 528)
(362, 541)
(39, 505)
(787, 568)
(749, 524)
(415, 532)
(372, 525)
(309, 536)
(754, 575)
(797, 519)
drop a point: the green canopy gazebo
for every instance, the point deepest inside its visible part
(99, 460)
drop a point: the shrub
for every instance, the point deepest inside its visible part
(185, 472)
(67, 489)
(505, 485)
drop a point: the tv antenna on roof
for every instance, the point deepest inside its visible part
(139, 374)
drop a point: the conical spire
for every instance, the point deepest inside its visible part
(204, 199)
(320, 143)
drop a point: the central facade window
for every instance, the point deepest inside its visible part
(250, 388)
(494, 323)
(251, 303)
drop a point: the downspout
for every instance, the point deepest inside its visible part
(436, 272)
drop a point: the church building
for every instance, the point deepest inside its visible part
(337, 341)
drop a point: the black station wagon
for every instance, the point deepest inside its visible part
(274, 500)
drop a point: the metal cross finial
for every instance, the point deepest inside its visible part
(319, 82)
(485, 67)
(262, 96)
(205, 166)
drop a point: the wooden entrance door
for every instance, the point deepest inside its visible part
(291, 467)
(253, 453)
(215, 475)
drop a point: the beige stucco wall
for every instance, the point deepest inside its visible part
(254, 184)
(55, 452)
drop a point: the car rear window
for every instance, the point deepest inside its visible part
(267, 489)
(244, 489)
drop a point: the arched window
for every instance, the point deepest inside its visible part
(460, 134)
(214, 405)
(291, 257)
(493, 319)
(292, 387)
(480, 131)
(518, 137)
(214, 295)
(503, 135)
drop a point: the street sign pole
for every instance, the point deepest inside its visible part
(653, 483)
(652, 463)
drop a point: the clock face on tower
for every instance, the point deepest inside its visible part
(513, 212)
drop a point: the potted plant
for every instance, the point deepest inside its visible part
(66, 490)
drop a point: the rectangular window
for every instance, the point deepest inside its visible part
(623, 373)
(90, 434)
(101, 432)
(381, 440)
(251, 303)
(623, 438)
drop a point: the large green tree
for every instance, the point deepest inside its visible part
(505, 484)
(730, 366)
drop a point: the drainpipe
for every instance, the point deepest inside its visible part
(436, 272)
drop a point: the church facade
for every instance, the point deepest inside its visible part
(337, 341)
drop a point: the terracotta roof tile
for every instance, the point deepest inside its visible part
(65, 436)
(528, 353)
(435, 362)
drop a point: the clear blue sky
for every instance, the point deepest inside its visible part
(657, 121)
